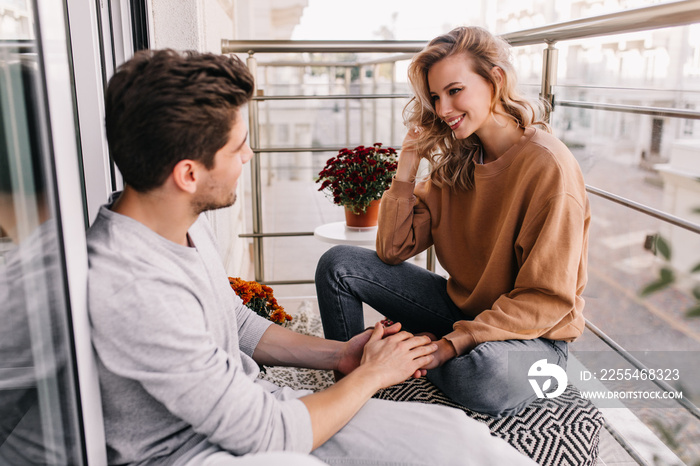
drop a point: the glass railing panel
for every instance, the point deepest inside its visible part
(334, 74)
(620, 152)
(325, 123)
(613, 150)
(654, 330)
(39, 421)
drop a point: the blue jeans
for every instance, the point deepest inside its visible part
(491, 379)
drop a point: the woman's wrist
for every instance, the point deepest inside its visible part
(447, 349)
(408, 166)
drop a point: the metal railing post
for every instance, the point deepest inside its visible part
(362, 104)
(393, 104)
(375, 68)
(348, 77)
(268, 119)
(430, 259)
(255, 176)
(549, 76)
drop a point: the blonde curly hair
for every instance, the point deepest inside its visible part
(452, 160)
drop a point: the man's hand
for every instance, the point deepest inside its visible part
(351, 355)
(388, 356)
(392, 359)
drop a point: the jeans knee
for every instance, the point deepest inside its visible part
(327, 263)
(340, 259)
(491, 392)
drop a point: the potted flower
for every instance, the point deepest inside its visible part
(356, 179)
(259, 299)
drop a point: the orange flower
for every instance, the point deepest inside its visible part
(277, 316)
(259, 299)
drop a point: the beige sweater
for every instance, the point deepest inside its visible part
(515, 246)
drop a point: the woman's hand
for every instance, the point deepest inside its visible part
(394, 358)
(445, 351)
(409, 158)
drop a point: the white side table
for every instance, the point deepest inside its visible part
(339, 233)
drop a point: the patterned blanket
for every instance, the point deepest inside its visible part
(554, 432)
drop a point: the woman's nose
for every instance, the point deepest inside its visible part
(442, 108)
(438, 108)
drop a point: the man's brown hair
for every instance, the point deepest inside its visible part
(164, 106)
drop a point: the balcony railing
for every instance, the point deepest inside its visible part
(643, 19)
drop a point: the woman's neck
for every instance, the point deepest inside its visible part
(497, 137)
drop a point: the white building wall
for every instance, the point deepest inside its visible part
(201, 25)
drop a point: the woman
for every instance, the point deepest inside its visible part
(506, 209)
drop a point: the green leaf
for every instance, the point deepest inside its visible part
(663, 247)
(696, 292)
(667, 275)
(655, 286)
(693, 311)
(696, 268)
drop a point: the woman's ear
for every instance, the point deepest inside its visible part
(186, 174)
(498, 77)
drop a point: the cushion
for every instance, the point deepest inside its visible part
(559, 431)
(562, 431)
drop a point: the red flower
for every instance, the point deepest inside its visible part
(356, 177)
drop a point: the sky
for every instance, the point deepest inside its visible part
(403, 19)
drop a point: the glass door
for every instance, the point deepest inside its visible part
(43, 330)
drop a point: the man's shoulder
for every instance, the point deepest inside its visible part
(124, 255)
(111, 239)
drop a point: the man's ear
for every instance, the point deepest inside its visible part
(186, 174)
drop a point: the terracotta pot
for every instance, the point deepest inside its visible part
(366, 219)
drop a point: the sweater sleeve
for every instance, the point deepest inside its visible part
(551, 254)
(250, 326)
(404, 223)
(156, 335)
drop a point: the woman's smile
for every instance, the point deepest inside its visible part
(454, 122)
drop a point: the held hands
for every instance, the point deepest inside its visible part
(351, 356)
(394, 358)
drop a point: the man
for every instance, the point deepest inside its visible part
(177, 351)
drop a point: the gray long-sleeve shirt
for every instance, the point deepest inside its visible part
(174, 346)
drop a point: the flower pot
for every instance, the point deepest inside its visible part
(362, 220)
